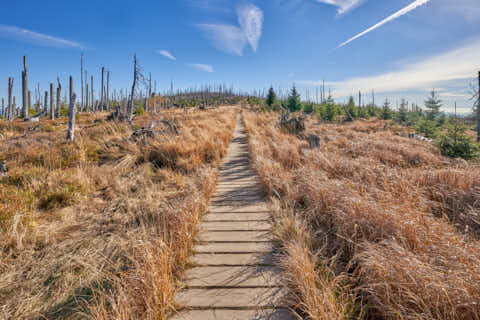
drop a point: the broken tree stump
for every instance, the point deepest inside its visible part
(314, 141)
(292, 124)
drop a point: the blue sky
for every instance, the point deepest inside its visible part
(251, 44)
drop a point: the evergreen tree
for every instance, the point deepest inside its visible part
(330, 109)
(402, 112)
(308, 107)
(351, 109)
(386, 113)
(294, 104)
(433, 105)
(271, 97)
(456, 143)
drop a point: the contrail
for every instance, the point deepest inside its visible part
(394, 16)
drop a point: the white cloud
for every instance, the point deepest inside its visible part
(166, 54)
(450, 69)
(398, 14)
(233, 39)
(250, 19)
(43, 39)
(343, 6)
(227, 38)
(202, 67)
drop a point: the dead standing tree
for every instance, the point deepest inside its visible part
(71, 119)
(24, 90)
(102, 93)
(137, 77)
(59, 91)
(52, 108)
(81, 75)
(10, 106)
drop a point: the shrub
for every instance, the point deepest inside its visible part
(456, 144)
(140, 111)
(308, 107)
(426, 127)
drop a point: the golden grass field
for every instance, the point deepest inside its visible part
(102, 228)
(372, 225)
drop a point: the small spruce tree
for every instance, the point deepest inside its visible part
(271, 98)
(330, 109)
(294, 104)
(386, 113)
(351, 109)
(402, 112)
(433, 105)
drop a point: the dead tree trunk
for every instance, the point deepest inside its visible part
(29, 98)
(71, 119)
(102, 93)
(108, 90)
(3, 107)
(81, 75)
(132, 94)
(86, 92)
(9, 106)
(70, 91)
(59, 93)
(314, 141)
(14, 109)
(45, 102)
(87, 106)
(52, 108)
(24, 90)
(92, 93)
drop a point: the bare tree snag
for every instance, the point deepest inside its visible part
(70, 91)
(14, 110)
(102, 93)
(45, 102)
(92, 93)
(108, 90)
(29, 104)
(87, 105)
(24, 90)
(52, 108)
(86, 91)
(81, 75)
(132, 94)
(59, 93)
(71, 119)
(314, 141)
(9, 107)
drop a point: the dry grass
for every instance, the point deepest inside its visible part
(101, 228)
(390, 226)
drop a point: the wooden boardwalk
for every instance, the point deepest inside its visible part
(234, 276)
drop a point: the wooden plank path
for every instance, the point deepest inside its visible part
(234, 276)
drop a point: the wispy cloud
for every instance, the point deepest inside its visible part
(233, 39)
(250, 19)
(40, 38)
(394, 16)
(457, 66)
(343, 6)
(227, 38)
(202, 67)
(166, 54)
